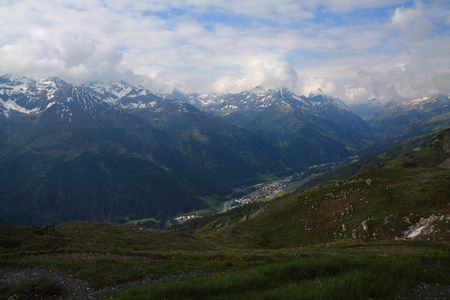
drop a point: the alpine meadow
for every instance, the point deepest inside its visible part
(225, 149)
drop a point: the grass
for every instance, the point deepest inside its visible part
(389, 199)
(353, 269)
(221, 219)
(268, 177)
(328, 274)
(105, 254)
(104, 270)
(213, 201)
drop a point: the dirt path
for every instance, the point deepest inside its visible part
(426, 291)
(75, 288)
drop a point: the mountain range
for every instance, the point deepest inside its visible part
(114, 151)
(306, 130)
(104, 152)
(409, 118)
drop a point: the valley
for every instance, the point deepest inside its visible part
(70, 144)
(112, 192)
(224, 150)
(338, 238)
(265, 191)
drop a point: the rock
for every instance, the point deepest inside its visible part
(445, 164)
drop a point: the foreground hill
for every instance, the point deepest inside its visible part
(82, 260)
(403, 198)
(113, 152)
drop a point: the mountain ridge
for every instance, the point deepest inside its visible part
(78, 135)
(171, 153)
(306, 130)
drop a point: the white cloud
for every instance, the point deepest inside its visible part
(318, 86)
(413, 23)
(200, 45)
(267, 72)
(349, 5)
(357, 95)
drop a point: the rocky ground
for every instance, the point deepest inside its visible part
(426, 291)
(75, 288)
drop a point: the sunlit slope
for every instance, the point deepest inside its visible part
(404, 198)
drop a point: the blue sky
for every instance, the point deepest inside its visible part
(355, 50)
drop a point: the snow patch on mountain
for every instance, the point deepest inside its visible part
(9, 106)
(140, 105)
(260, 99)
(425, 101)
(29, 96)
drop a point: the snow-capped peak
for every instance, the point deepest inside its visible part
(262, 91)
(259, 90)
(260, 98)
(115, 91)
(34, 96)
(425, 100)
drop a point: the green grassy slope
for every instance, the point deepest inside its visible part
(384, 202)
(93, 236)
(336, 273)
(122, 262)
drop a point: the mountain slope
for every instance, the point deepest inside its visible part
(396, 122)
(406, 198)
(114, 151)
(306, 130)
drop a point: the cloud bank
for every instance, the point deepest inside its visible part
(355, 50)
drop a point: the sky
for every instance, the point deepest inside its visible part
(352, 49)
